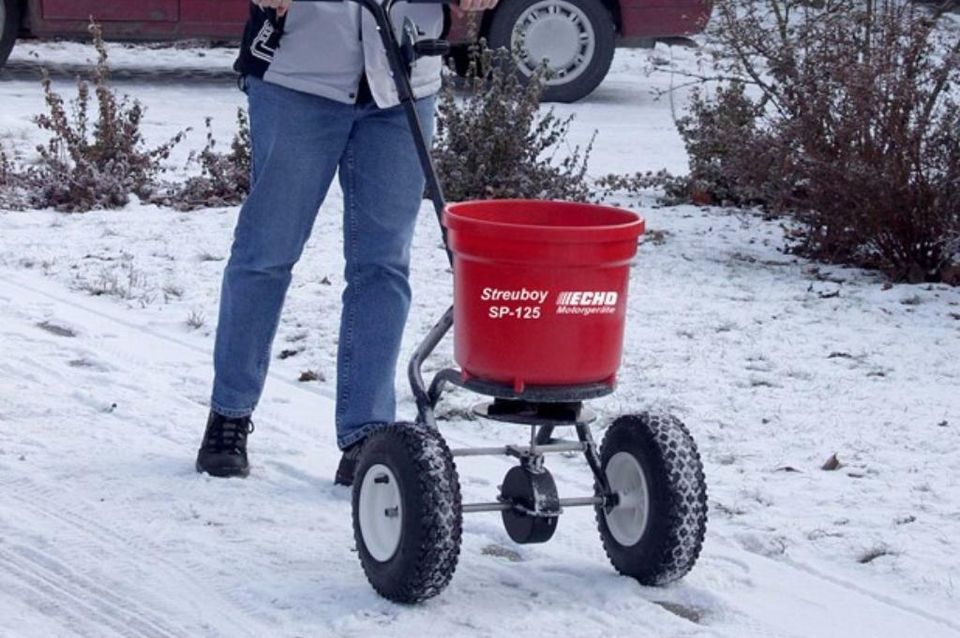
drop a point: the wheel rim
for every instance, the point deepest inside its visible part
(628, 520)
(559, 32)
(381, 512)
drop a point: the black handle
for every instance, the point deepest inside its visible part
(431, 48)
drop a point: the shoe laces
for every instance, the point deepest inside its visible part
(230, 435)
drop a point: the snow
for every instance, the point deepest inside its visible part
(773, 362)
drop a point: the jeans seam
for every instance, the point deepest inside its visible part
(352, 239)
(230, 413)
(360, 433)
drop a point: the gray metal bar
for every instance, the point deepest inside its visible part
(469, 508)
(424, 398)
(582, 501)
(511, 450)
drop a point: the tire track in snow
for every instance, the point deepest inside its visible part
(880, 598)
(41, 505)
(59, 591)
(793, 599)
(96, 539)
(38, 597)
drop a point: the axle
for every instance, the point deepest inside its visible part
(583, 501)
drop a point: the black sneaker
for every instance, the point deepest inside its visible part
(348, 465)
(224, 449)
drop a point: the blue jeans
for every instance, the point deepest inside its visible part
(300, 141)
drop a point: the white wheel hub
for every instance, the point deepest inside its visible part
(380, 512)
(558, 32)
(628, 520)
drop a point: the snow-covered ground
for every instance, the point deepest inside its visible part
(774, 363)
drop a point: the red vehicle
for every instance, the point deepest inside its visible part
(576, 37)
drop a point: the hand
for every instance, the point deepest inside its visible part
(280, 5)
(477, 5)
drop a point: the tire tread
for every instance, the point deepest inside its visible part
(674, 450)
(440, 519)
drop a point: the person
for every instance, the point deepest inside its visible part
(322, 102)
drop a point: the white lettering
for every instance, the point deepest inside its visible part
(259, 48)
(496, 294)
(583, 298)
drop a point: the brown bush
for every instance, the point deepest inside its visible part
(225, 177)
(674, 189)
(493, 142)
(843, 114)
(6, 168)
(93, 163)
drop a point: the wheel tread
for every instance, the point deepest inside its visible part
(666, 437)
(441, 519)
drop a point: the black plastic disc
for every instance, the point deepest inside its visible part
(536, 492)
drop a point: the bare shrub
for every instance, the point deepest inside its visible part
(494, 142)
(172, 291)
(122, 280)
(13, 191)
(6, 168)
(225, 177)
(196, 319)
(675, 189)
(93, 161)
(844, 115)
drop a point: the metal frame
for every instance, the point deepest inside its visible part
(541, 443)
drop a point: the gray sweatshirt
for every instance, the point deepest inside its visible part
(323, 48)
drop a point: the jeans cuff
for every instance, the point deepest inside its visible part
(346, 440)
(230, 413)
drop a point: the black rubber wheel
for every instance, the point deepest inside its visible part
(656, 532)
(9, 27)
(576, 37)
(407, 515)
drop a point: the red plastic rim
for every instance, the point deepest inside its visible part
(543, 220)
